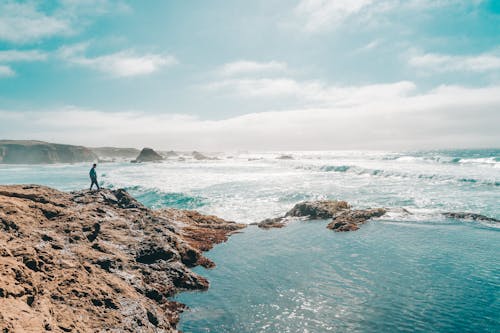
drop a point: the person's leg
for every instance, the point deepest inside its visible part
(97, 184)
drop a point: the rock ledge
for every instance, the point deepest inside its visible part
(97, 261)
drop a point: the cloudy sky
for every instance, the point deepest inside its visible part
(252, 75)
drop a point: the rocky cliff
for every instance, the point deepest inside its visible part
(39, 152)
(97, 261)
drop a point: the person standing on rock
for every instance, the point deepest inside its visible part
(93, 177)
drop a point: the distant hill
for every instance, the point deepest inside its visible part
(112, 152)
(39, 152)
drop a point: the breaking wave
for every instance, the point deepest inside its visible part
(155, 198)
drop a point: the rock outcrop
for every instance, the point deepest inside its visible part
(148, 155)
(97, 261)
(276, 222)
(350, 220)
(470, 217)
(343, 217)
(321, 209)
(39, 152)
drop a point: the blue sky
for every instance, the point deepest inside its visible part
(270, 74)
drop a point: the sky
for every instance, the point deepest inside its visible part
(252, 75)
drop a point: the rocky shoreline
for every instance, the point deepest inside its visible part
(97, 261)
(101, 261)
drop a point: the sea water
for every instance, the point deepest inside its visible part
(401, 273)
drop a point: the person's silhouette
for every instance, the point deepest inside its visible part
(93, 177)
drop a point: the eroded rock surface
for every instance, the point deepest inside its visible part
(343, 217)
(97, 261)
(350, 220)
(322, 209)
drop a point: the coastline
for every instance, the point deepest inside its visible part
(86, 261)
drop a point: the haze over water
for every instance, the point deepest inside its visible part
(404, 272)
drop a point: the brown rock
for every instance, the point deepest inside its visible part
(97, 261)
(350, 220)
(322, 209)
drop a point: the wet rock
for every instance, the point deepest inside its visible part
(350, 220)
(470, 216)
(276, 222)
(322, 209)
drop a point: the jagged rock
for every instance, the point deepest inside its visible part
(99, 261)
(349, 220)
(321, 209)
(469, 216)
(344, 219)
(39, 152)
(148, 155)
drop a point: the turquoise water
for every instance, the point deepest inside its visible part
(386, 277)
(417, 272)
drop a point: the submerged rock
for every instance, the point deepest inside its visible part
(148, 155)
(97, 261)
(469, 216)
(350, 220)
(276, 222)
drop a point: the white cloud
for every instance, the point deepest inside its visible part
(452, 63)
(446, 117)
(119, 64)
(252, 67)
(6, 71)
(16, 55)
(22, 22)
(25, 22)
(312, 91)
(321, 14)
(315, 16)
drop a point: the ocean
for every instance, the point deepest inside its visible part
(416, 272)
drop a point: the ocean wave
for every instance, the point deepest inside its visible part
(155, 198)
(398, 174)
